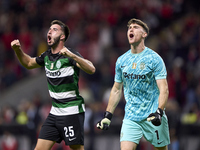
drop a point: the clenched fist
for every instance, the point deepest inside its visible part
(16, 45)
(105, 122)
(66, 52)
(156, 118)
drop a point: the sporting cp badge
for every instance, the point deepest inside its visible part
(142, 66)
(58, 64)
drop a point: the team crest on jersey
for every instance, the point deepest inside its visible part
(142, 66)
(134, 65)
(58, 64)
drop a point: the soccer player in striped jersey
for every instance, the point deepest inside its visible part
(66, 118)
(142, 74)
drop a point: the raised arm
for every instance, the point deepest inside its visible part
(26, 61)
(82, 63)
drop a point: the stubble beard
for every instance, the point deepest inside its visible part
(55, 43)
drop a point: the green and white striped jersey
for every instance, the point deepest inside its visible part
(62, 79)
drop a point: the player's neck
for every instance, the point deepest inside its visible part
(56, 49)
(137, 48)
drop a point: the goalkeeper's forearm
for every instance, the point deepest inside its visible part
(114, 98)
(164, 93)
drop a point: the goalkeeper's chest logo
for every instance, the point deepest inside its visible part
(134, 65)
(142, 65)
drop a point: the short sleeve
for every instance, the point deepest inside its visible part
(40, 59)
(159, 68)
(118, 72)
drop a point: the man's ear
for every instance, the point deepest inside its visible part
(62, 37)
(144, 35)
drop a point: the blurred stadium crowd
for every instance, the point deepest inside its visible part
(98, 32)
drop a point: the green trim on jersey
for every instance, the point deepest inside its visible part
(63, 61)
(70, 104)
(67, 104)
(62, 76)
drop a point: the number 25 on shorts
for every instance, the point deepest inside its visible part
(69, 131)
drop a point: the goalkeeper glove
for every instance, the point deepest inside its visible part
(105, 122)
(156, 117)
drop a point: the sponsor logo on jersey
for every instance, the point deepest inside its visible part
(133, 76)
(53, 74)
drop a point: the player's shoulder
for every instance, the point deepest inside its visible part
(45, 53)
(74, 51)
(152, 53)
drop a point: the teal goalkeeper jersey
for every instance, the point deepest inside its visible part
(139, 73)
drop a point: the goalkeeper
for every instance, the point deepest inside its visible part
(142, 74)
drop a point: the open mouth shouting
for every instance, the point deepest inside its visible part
(131, 35)
(48, 39)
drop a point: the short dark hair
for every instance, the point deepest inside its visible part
(139, 22)
(63, 26)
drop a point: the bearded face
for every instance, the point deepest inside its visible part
(53, 36)
(54, 41)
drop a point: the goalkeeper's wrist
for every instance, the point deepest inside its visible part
(160, 111)
(108, 115)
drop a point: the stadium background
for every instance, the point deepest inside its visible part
(98, 32)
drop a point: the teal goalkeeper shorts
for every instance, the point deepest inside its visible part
(156, 135)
